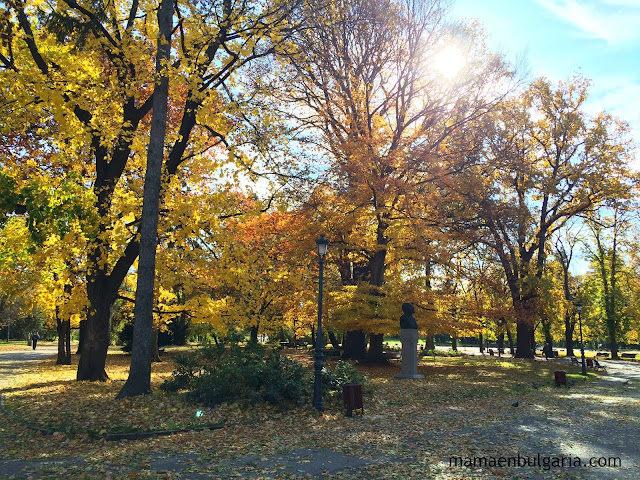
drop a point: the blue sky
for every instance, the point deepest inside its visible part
(598, 38)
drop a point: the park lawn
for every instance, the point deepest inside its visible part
(456, 393)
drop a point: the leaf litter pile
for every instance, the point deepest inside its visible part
(464, 407)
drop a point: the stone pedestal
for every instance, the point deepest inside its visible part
(409, 339)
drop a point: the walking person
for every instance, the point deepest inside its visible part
(34, 340)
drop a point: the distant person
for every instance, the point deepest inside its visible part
(34, 340)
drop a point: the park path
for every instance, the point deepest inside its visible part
(13, 362)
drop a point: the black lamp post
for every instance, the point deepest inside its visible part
(317, 386)
(584, 365)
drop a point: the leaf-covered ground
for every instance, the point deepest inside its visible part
(463, 408)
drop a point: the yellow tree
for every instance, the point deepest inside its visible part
(545, 162)
(88, 69)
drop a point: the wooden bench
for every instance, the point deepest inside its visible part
(628, 355)
(574, 361)
(597, 365)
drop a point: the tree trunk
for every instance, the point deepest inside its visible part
(139, 381)
(82, 333)
(93, 353)
(569, 328)
(64, 342)
(431, 344)
(480, 341)
(548, 338)
(253, 336)
(355, 346)
(524, 329)
(333, 339)
(500, 343)
(155, 351)
(454, 343)
(510, 338)
(375, 355)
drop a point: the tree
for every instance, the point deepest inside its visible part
(563, 248)
(545, 162)
(96, 84)
(139, 380)
(375, 103)
(607, 232)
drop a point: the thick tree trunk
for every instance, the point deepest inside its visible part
(500, 344)
(431, 344)
(524, 330)
(355, 346)
(139, 381)
(481, 342)
(454, 343)
(375, 355)
(93, 353)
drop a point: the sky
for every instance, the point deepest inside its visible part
(599, 39)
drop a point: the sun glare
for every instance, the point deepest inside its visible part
(449, 61)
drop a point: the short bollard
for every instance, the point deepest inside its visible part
(561, 377)
(352, 397)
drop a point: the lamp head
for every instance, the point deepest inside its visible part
(322, 245)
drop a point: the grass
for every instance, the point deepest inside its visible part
(403, 419)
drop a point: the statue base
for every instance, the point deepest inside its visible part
(409, 375)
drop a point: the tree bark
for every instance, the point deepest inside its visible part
(155, 351)
(139, 381)
(253, 336)
(524, 329)
(93, 353)
(64, 342)
(332, 338)
(454, 343)
(481, 342)
(375, 355)
(500, 343)
(510, 338)
(355, 346)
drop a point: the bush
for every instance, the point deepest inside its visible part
(343, 372)
(217, 374)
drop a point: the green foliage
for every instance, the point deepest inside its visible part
(217, 374)
(343, 372)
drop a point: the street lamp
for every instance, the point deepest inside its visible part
(584, 365)
(317, 386)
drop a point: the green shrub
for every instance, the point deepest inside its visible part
(217, 374)
(343, 372)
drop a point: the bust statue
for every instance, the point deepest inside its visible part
(407, 320)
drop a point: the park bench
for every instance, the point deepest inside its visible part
(574, 361)
(628, 355)
(597, 365)
(602, 354)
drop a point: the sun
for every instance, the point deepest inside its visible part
(449, 61)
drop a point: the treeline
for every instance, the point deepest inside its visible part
(439, 175)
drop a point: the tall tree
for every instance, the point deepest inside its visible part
(607, 232)
(545, 162)
(88, 67)
(139, 380)
(379, 105)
